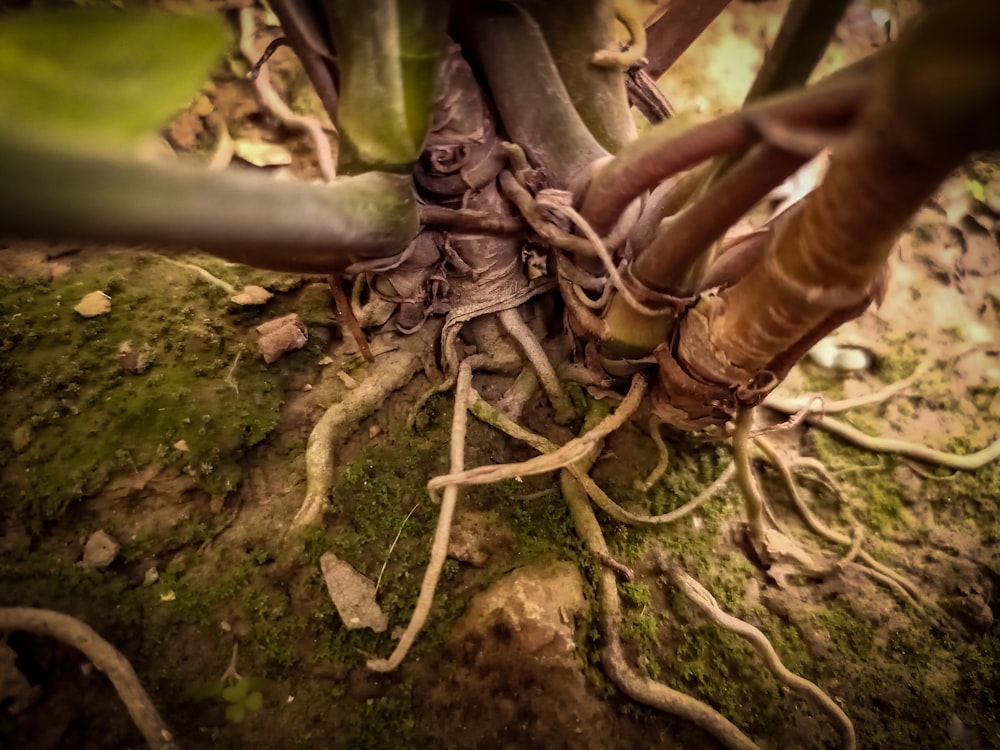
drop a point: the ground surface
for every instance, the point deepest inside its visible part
(88, 441)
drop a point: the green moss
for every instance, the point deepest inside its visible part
(877, 496)
(91, 418)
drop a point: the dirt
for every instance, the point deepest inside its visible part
(205, 560)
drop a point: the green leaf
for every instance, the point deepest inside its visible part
(236, 693)
(977, 190)
(253, 702)
(235, 712)
(100, 78)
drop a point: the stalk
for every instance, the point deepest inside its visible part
(241, 216)
(535, 107)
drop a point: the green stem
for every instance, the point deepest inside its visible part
(534, 106)
(574, 32)
(240, 216)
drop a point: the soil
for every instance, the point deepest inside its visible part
(91, 439)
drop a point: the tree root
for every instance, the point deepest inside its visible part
(630, 682)
(870, 566)
(511, 320)
(439, 549)
(341, 419)
(663, 456)
(104, 656)
(707, 604)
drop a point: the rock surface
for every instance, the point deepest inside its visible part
(100, 551)
(353, 595)
(532, 610)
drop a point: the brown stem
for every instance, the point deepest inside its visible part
(664, 265)
(672, 31)
(346, 313)
(662, 153)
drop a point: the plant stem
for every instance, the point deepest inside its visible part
(243, 217)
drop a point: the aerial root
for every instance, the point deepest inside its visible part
(341, 419)
(511, 320)
(104, 656)
(663, 456)
(270, 98)
(486, 412)
(854, 436)
(700, 596)
(905, 588)
(439, 548)
(635, 685)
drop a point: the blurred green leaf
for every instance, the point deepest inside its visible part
(237, 693)
(976, 189)
(100, 78)
(253, 702)
(235, 712)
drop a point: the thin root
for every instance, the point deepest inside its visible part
(439, 548)
(700, 596)
(104, 656)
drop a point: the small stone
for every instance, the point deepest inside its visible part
(93, 304)
(353, 595)
(21, 437)
(262, 154)
(182, 446)
(100, 550)
(252, 295)
(307, 387)
(325, 361)
(347, 380)
(374, 431)
(851, 359)
(151, 576)
(281, 335)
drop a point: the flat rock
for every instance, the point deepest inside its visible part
(93, 304)
(353, 595)
(532, 610)
(100, 550)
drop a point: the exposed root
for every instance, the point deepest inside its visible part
(487, 413)
(269, 97)
(104, 656)
(225, 286)
(854, 436)
(700, 596)
(636, 686)
(341, 419)
(745, 479)
(517, 329)
(663, 456)
(558, 459)
(439, 549)
(871, 566)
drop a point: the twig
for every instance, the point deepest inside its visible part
(392, 546)
(105, 657)
(346, 313)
